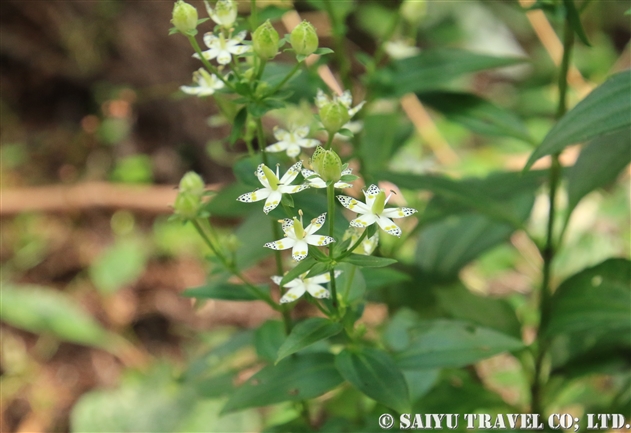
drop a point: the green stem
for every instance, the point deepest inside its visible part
(287, 77)
(329, 141)
(353, 247)
(253, 15)
(229, 266)
(548, 251)
(207, 64)
(342, 57)
(260, 137)
(330, 195)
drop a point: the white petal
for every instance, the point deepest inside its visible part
(300, 250)
(316, 224)
(346, 98)
(276, 279)
(260, 174)
(355, 109)
(191, 90)
(291, 174)
(272, 201)
(293, 150)
(239, 37)
(371, 194)
(317, 183)
(323, 278)
(288, 225)
(319, 241)
(364, 220)
(280, 134)
(251, 197)
(237, 50)
(353, 204)
(347, 171)
(293, 294)
(292, 189)
(301, 132)
(281, 244)
(321, 99)
(210, 40)
(308, 143)
(317, 291)
(224, 57)
(389, 226)
(277, 147)
(398, 212)
(340, 185)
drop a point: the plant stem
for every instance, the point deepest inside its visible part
(340, 51)
(330, 195)
(229, 266)
(287, 77)
(253, 15)
(329, 141)
(548, 251)
(354, 246)
(207, 64)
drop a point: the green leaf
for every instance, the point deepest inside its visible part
(368, 261)
(268, 338)
(377, 278)
(222, 290)
(307, 333)
(120, 265)
(431, 69)
(374, 373)
(323, 51)
(489, 312)
(318, 269)
(597, 299)
(465, 193)
(574, 19)
(599, 163)
(450, 343)
(350, 283)
(237, 126)
(477, 114)
(301, 268)
(383, 134)
(605, 110)
(48, 311)
(296, 378)
(420, 382)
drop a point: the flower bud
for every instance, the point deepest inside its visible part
(327, 164)
(265, 41)
(413, 11)
(187, 205)
(192, 183)
(304, 39)
(184, 17)
(224, 14)
(334, 115)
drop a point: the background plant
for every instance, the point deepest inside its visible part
(427, 299)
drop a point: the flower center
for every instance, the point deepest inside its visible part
(379, 204)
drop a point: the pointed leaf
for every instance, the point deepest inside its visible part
(599, 163)
(268, 338)
(574, 18)
(605, 110)
(295, 378)
(374, 373)
(224, 291)
(306, 333)
(368, 261)
(450, 343)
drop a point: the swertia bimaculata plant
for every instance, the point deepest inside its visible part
(235, 67)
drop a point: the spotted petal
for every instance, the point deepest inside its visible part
(398, 212)
(291, 174)
(371, 194)
(364, 220)
(300, 250)
(253, 196)
(389, 226)
(316, 224)
(260, 174)
(319, 241)
(272, 201)
(317, 291)
(287, 225)
(281, 244)
(293, 294)
(353, 204)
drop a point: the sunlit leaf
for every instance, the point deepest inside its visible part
(306, 333)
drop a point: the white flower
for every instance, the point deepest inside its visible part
(206, 83)
(345, 98)
(273, 188)
(374, 210)
(292, 141)
(299, 238)
(223, 49)
(224, 14)
(300, 285)
(317, 182)
(400, 49)
(368, 245)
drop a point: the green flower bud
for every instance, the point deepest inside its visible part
(187, 205)
(304, 39)
(184, 17)
(192, 183)
(413, 11)
(224, 14)
(334, 115)
(265, 41)
(327, 164)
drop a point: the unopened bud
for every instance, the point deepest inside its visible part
(413, 11)
(192, 183)
(327, 164)
(187, 205)
(265, 41)
(304, 39)
(224, 14)
(334, 115)
(184, 17)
